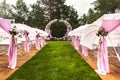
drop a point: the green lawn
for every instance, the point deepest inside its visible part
(56, 61)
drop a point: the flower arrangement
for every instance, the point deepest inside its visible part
(37, 35)
(13, 31)
(101, 32)
(26, 32)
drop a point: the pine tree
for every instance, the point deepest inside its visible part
(106, 6)
(20, 12)
(5, 10)
(73, 17)
(36, 16)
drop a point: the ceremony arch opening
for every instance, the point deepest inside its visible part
(64, 35)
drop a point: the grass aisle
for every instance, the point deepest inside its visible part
(56, 61)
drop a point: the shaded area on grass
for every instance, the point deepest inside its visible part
(56, 61)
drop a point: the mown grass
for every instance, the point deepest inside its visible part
(56, 61)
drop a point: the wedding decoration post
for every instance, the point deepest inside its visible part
(27, 48)
(102, 55)
(5, 24)
(37, 41)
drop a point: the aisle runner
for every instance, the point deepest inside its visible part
(56, 61)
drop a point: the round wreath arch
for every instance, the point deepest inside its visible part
(69, 27)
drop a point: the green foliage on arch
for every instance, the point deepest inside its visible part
(58, 29)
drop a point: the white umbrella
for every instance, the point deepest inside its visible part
(78, 31)
(88, 37)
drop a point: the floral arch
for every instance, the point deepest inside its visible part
(69, 27)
